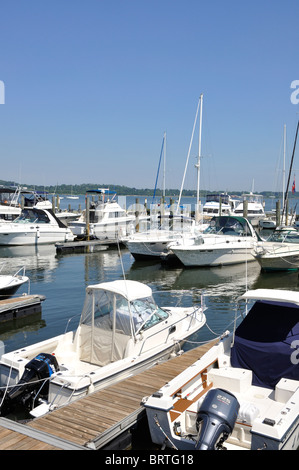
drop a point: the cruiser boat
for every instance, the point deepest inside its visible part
(243, 394)
(153, 243)
(34, 226)
(255, 208)
(280, 252)
(219, 204)
(122, 331)
(107, 219)
(227, 240)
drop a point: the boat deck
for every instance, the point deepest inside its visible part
(94, 421)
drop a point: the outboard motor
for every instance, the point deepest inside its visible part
(35, 379)
(216, 419)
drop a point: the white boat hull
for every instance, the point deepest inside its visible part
(250, 433)
(279, 258)
(85, 366)
(214, 255)
(34, 236)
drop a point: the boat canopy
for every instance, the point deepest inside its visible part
(276, 295)
(113, 314)
(266, 340)
(229, 225)
(131, 290)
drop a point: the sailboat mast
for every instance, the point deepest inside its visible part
(199, 148)
(164, 166)
(284, 164)
(290, 171)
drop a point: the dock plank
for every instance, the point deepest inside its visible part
(91, 422)
(85, 420)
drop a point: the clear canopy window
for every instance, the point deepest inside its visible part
(110, 319)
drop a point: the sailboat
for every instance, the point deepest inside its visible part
(153, 243)
(71, 196)
(280, 252)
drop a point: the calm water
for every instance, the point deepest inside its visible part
(62, 279)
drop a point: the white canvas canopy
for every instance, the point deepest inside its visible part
(113, 313)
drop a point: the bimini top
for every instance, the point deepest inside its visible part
(275, 295)
(130, 290)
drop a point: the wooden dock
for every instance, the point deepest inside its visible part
(84, 246)
(95, 421)
(19, 307)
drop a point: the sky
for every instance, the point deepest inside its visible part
(88, 89)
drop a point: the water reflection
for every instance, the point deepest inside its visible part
(39, 261)
(62, 279)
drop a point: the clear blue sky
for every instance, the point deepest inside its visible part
(91, 86)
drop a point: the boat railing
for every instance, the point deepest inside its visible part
(171, 328)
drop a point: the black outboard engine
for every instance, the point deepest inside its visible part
(216, 419)
(35, 379)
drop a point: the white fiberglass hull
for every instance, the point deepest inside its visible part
(105, 230)
(279, 258)
(153, 244)
(172, 411)
(77, 378)
(214, 255)
(33, 235)
(150, 249)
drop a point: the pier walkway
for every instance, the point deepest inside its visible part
(92, 422)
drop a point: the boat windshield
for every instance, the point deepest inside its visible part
(284, 237)
(228, 226)
(32, 216)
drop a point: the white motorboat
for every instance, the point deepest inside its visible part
(10, 283)
(219, 204)
(10, 207)
(34, 226)
(122, 331)
(243, 394)
(255, 208)
(153, 243)
(107, 219)
(280, 252)
(227, 240)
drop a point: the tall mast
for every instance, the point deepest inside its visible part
(199, 148)
(284, 163)
(290, 171)
(164, 166)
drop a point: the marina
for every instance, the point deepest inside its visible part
(62, 277)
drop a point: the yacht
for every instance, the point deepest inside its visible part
(34, 226)
(280, 252)
(153, 243)
(255, 210)
(121, 331)
(219, 204)
(227, 240)
(243, 394)
(106, 219)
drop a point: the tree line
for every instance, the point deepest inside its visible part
(78, 189)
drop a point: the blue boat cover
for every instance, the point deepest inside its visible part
(267, 342)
